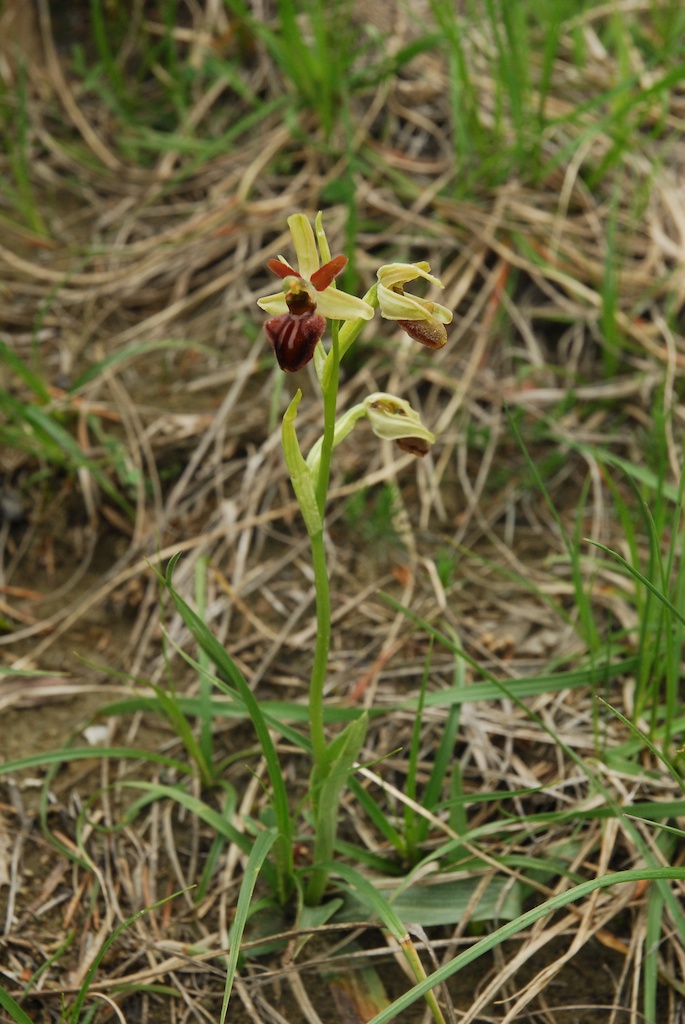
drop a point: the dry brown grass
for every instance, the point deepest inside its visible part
(137, 257)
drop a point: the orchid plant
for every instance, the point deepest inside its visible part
(300, 311)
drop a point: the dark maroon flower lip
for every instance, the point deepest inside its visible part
(294, 336)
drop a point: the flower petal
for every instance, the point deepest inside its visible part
(324, 276)
(337, 305)
(441, 313)
(322, 241)
(282, 268)
(305, 245)
(273, 303)
(392, 274)
(400, 306)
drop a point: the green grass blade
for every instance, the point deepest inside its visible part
(515, 689)
(18, 1015)
(650, 962)
(202, 810)
(101, 36)
(48, 964)
(17, 148)
(589, 631)
(51, 441)
(33, 380)
(376, 815)
(206, 682)
(411, 831)
(66, 754)
(370, 895)
(643, 579)
(646, 741)
(444, 764)
(75, 1012)
(225, 664)
(610, 292)
(273, 712)
(255, 861)
(445, 903)
(181, 726)
(512, 928)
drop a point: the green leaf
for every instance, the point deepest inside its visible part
(444, 903)
(327, 782)
(301, 476)
(258, 855)
(497, 937)
(225, 664)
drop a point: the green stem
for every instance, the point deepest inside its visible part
(323, 640)
(321, 585)
(318, 881)
(323, 843)
(320, 751)
(329, 387)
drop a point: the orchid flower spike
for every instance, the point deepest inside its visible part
(422, 319)
(307, 299)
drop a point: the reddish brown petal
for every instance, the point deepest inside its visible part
(323, 277)
(282, 269)
(294, 338)
(413, 445)
(428, 332)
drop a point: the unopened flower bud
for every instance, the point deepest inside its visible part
(422, 319)
(394, 419)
